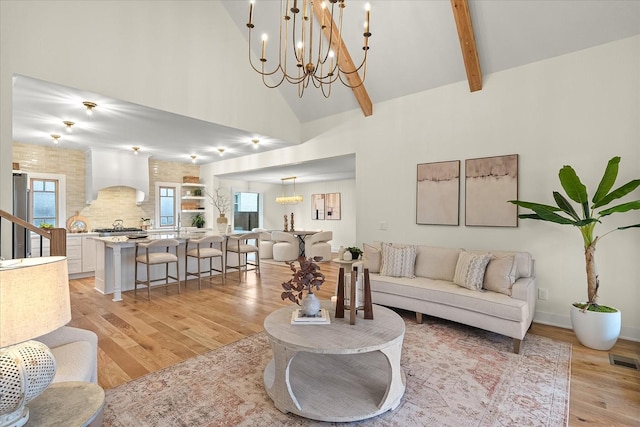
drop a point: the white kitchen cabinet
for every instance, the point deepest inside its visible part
(88, 254)
(81, 252)
(35, 246)
(74, 254)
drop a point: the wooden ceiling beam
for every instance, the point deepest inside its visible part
(345, 61)
(467, 43)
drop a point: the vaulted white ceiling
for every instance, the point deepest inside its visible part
(414, 47)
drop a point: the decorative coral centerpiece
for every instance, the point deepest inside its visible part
(305, 278)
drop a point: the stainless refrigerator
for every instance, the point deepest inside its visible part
(21, 236)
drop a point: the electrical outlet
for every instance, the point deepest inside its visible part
(383, 225)
(543, 294)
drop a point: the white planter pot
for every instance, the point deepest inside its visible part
(599, 331)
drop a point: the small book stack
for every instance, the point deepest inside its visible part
(322, 318)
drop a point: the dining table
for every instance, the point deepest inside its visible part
(302, 235)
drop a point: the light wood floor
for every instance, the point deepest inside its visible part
(137, 336)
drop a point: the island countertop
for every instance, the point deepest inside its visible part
(115, 258)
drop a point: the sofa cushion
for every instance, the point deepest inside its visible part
(444, 292)
(398, 262)
(436, 263)
(522, 260)
(372, 257)
(500, 275)
(470, 270)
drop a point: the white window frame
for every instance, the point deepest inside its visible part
(61, 213)
(178, 189)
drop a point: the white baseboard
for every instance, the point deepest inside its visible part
(564, 321)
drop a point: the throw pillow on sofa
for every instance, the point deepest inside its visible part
(500, 275)
(372, 258)
(470, 270)
(398, 262)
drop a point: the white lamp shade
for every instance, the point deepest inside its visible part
(34, 298)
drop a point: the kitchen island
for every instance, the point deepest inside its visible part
(115, 260)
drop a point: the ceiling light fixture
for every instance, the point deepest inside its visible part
(322, 70)
(90, 106)
(135, 150)
(221, 151)
(193, 158)
(68, 125)
(55, 137)
(288, 200)
(255, 141)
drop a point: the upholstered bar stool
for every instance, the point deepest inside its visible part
(204, 250)
(153, 258)
(242, 245)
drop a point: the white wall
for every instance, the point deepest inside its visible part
(579, 109)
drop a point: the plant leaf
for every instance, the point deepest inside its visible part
(629, 206)
(629, 226)
(532, 205)
(608, 179)
(564, 204)
(551, 216)
(572, 185)
(618, 192)
(530, 216)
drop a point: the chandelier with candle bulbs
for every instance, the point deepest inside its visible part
(310, 50)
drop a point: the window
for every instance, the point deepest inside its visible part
(47, 199)
(167, 201)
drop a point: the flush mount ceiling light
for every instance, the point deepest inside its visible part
(255, 141)
(221, 151)
(68, 125)
(135, 150)
(90, 106)
(55, 137)
(299, 46)
(288, 200)
(193, 158)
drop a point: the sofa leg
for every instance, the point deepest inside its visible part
(418, 318)
(516, 345)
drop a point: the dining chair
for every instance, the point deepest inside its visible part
(266, 244)
(286, 246)
(150, 258)
(317, 245)
(242, 245)
(207, 247)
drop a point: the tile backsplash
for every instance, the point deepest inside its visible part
(113, 202)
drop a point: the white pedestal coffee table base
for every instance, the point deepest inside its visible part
(349, 373)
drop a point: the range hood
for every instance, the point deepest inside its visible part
(109, 168)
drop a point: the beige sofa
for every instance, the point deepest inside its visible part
(505, 304)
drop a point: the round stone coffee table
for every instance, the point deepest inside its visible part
(335, 372)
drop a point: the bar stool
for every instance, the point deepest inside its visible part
(239, 244)
(154, 258)
(204, 249)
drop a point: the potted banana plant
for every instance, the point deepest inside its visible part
(596, 326)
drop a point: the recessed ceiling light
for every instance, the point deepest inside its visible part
(90, 106)
(55, 137)
(68, 124)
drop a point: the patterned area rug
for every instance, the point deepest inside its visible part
(456, 376)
